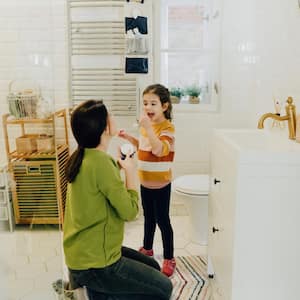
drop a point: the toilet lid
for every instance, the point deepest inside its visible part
(195, 184)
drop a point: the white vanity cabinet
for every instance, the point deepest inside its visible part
(254, 216)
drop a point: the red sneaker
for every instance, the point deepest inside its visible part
(146, 252)
(169, 266)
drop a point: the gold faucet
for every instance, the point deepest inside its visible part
(290, 116)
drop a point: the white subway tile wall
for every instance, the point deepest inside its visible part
(33, 47)
(259, 59)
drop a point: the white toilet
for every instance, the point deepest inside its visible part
(194, 190)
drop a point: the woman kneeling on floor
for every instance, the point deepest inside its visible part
(97, 206)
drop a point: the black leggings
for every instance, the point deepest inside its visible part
(156, 205)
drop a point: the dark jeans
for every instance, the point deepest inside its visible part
(156, 206)
(134, 276)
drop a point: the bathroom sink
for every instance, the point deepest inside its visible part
(264, 145)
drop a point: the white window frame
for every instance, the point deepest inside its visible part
(213, 106)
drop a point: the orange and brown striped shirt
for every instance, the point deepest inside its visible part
(155, 171)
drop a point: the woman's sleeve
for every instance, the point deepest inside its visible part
(109, 181)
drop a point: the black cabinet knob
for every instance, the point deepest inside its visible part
(214, 229)
(216, 181)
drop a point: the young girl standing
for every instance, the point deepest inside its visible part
(155, 155)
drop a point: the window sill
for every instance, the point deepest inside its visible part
(185, 107)
(194, 108)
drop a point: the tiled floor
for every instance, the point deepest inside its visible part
(31, 257)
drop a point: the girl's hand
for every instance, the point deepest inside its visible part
(131, 139)
(145, 121)
(122, 134)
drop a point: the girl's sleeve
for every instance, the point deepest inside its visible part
(168, 140)
(123, 200)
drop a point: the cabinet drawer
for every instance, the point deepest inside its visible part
(220, 245)
(223, 184)
(3, 213)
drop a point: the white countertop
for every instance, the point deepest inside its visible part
(261, 145)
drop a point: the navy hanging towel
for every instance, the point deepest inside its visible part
(136, 65)
(139, 22)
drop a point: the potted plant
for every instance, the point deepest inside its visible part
(193, 91)
(176, 93)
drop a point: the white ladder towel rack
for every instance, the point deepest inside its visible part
(97, 34)
(118, 92)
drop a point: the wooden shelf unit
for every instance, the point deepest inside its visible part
(39, 189)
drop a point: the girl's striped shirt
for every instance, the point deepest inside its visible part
(155, 171)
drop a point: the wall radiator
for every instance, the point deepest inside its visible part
(97, 50)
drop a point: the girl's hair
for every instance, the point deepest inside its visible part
(164, 96)
(88, 121)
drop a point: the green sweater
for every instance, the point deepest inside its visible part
(97, 206)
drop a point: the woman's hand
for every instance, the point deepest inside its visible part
(129, 166)
(128, 163)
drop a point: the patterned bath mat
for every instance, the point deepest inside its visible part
(190, 280)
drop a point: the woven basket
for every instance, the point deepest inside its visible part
(23, 104)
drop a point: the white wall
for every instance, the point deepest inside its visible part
(33, 45)
(259, 58)
(260, 46)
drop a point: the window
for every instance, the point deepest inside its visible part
(189, 50)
